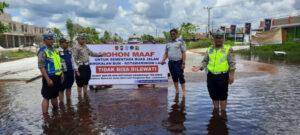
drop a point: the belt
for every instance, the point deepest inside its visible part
(84, 63)
(217, 73)
(175, 60)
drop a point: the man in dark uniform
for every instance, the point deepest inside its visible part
(69, 68)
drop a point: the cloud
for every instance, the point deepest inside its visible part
(297, 4)
(147, 16)
(17, 18)
(45, 8)
(152, 9)
(239, 12)
(98, 8)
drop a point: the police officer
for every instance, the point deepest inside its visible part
(176, 53)
(49, 63)
(70, 67)
(81, 56)
(220, 63)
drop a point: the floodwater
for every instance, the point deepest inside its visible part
(259, 103)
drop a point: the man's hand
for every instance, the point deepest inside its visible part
(49, 82)
(183, 66)
(77, 73)
(100, 54)
(62, 78)
(231, 78)
(162, 62)
(197, 68)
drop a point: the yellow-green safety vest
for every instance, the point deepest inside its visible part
(218, 59)
(53, 61)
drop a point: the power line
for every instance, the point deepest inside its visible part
(260, 17)
(255, 20)
(272, 12)
(235, 3)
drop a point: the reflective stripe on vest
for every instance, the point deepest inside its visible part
(218, 61)
(66, 55)
(53, 62)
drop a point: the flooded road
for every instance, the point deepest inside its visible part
(259, 103)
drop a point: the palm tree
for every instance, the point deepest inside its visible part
(188, 30)
(3, 5)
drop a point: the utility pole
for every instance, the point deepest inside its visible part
(170, 26)
(208, 22)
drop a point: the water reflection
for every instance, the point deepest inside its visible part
(177, 115)
(217, 123)
(265, 104)
(270, 58)
(67, 120)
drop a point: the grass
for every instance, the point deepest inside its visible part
(231, 43)
(199, 44)
(292, 50)
(289, 47)
(13, 55)
(205, 43)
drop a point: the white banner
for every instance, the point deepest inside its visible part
(128, 64)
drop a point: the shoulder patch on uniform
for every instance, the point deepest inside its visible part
(211, 50)
(42, 49)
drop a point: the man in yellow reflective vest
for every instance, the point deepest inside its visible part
(220, 63)
(50, 65)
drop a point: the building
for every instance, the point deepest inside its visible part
(20, 34)
(135, 39)
(200, 36)
(290, 27)
(234, 34)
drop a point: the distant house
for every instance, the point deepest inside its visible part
(200, 36)
(290, 27)
(20, 33)
(238, 36)
(135, 39)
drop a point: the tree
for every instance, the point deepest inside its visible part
(74, 29)
(106, 37)
(117, 39)
(57, 32)
(120, 39)
(3, 27)
(167, 36)
(3, 5)
(160, 40)
(57, 35)
(147, 38)
(70, 29)
(188, 30)
(93, 35)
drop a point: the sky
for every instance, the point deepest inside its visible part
(127, 17)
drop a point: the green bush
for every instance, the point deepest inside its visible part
(199, 44)
(289, 47)
(292, 50)
(13, 55)
(231, 43)
(205, 43)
